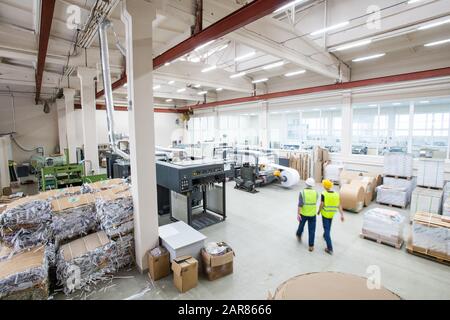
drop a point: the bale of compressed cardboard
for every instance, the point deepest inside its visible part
(107, 184)
(24, 275)
(158, 263)
(330, 286)
(185, 273)
(218, 266)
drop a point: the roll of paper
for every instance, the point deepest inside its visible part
(290, 177)
(352, 197)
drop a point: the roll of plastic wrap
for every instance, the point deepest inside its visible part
(352, 197)
(290, 177)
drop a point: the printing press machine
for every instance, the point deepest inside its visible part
(192, 191)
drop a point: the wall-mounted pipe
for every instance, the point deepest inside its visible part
(104, 55)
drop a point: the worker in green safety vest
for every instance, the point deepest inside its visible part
(330, 204)
(307, 208)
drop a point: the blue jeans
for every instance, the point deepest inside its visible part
(311, 228)
(326, 232)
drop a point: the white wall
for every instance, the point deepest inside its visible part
(33, 127)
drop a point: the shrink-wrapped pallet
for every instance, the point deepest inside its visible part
(431, 235)
(446, 200)
(73, 217)
(333, 172)
(385, 225)
(430, 173)
(24, 275)
(426, 200)
(398, 164)
(352, 197)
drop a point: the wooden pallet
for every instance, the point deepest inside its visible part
(382, 241)
(392, 205)
(427, 255)
(431, 188)
(397, 177)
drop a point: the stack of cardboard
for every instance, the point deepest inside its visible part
(107, 184)
(25, 223)
(73, 216)
(384, 225)
(217, 260)
(431, 235)
(321, 158)
(302, 163)
(426, 200)
(24, 275)
(85, 260)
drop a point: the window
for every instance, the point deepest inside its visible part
(201, 129)
(306, 129)
(248, 129)
(431, 128)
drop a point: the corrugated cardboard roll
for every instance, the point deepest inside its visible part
(352, 197)
(368, 188)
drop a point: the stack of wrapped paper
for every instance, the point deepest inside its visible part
(384, 224)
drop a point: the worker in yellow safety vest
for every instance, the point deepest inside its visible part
(330, 204)
(307, 208)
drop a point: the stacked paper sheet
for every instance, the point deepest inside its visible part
(25, 223)
(446, 200)
(398, 164)
(85, 260)
(386, 224)
(431, 232)
(426, 200)
(332, 172)
(115, 211)
(395, 191)
(73, 217)
(430, 173)
(24, 275)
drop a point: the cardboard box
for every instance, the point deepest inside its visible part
(325, 155)
(218, 266)
(317, 171)
(158, 265)
(185, 273)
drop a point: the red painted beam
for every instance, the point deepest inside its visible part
(119, 83)
(47, 9)
(122, 108)
(235, 20)
(420, 75)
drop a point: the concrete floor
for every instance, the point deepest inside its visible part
(261, 229)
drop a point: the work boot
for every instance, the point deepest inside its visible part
(299, 238)
(328, 251)
(311, 249)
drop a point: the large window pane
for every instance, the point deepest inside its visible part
(394, 127)
(365, 129)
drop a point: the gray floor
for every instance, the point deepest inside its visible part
(261, 229)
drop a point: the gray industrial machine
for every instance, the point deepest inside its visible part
(195, 189)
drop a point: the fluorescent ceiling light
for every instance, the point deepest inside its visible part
(260, 80)
(436, 43)
(167, 64)
(181, 90)
(194, 60)
(169, 100)
(156, 87)
(292, 3)
(273, 65)
(294, 73)
(202, 93)
(369, 57)
(425, 101)
(333, 27)
(197, 86)
(209, 68)
(433, 24)
(373, 105)
(245, 56)
(354, 45)
(396, 104)
(125, 85)
(237, 75)
(204, 45)
(414, 1)
(171, 82)
(219, 89)
(215, 50)
(333, 108)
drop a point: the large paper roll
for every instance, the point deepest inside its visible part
(367, 183)
(289, 177)
(352, 197)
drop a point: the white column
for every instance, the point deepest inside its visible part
(264, 124)
(62, 126)
(346, 140)
(88, 105)
(137, 17)
(70, 124)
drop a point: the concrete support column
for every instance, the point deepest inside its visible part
(88, 111)
(264, 125)
(70, 124)
(346, 139)
(137, 16)
(62, 124)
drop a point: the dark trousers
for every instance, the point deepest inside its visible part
(326, 232)
(311, 228)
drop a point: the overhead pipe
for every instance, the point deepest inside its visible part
(104, 54)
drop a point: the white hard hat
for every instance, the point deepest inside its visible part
(310, 182)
